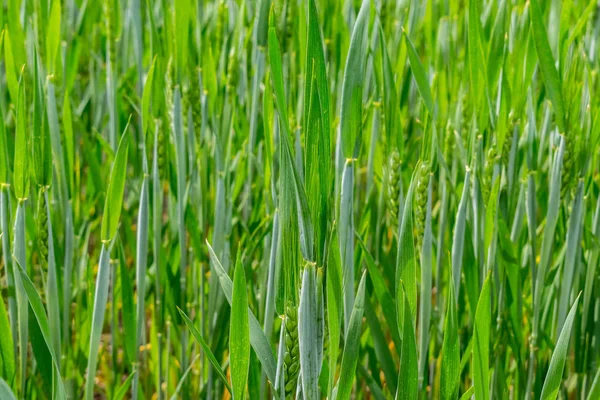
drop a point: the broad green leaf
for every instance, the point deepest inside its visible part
(42, 319)
(99, 309)
(559, 357)
(594, 392)
(53, 36)
(67, 120)
(5, 391)
(334, 307)
(7, 354)
(406, 269)
(21, 170)
(317, 163)
(129, 324)
(352, 343)
(382, 293)
(481, 344)
(353, 83)
(147, 92)
(239, 333)
(116, 187)
(296, 226)
(258, 340)
(450, 372)
(459, 234)
(307, 334)
(381, 346)
(393, 126)
(4, 155)
(552, 80)
(10, 68)
(42, 152)
(408, 374)
(420, 76)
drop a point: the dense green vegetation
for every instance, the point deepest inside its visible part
(300, 199)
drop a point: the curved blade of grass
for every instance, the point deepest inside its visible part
(207, 351)
(559, 357)
(419, 74)
(5, 391)
(481, 345)
(346, 237)
(183, 378)
(122, 390)
(140, 271)
(352, 344)
(552, 80)
(381, 346)
(426, 279)
(296, 226)
(317, 163)
(334, 308)
(450, 372)
(406, 269)
(408, 378)
(100, 298)
(53, 37)
(42, 152)
(21, 166)
(549, 229)
(594, 392)
(570, 264)
(7, 353)
(115, 190)
(52, 294)
(239, 332)
(40, 315)
(19, 254)
(382, 293)
(307, 334)
(147, 92)
(392, 125)
(459, 234)
(352, 86)
(258, 340)
(10, 68)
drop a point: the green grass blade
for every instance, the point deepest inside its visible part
(207, 351)
(352, 344)
(406, 269)
(258, 340)
(481, 346)
(7, 354)
(559, 357)
(122, 390)
(99, 308)
(21, 169)
(420, 76)
(114, 192)
(239, 332)
(450, 372)
(459, 235)
(307, 334)
(353, 83)
(5, 391)
(552, 80)
(40, 315)
(408, 378)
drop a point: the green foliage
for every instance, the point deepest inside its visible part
(411, 190)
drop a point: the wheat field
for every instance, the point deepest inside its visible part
(299, 199)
